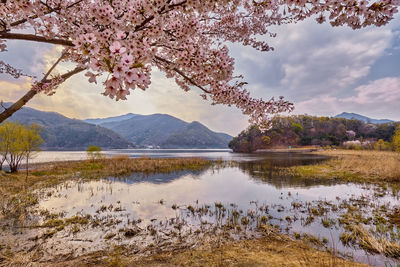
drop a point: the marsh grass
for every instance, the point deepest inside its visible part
(357, 234)
(16, 192)
(353, 166)
(277, 250)
(52, 173)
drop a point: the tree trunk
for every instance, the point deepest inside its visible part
(31, 93)
(27, 168)
(17, 105)
(13, 168)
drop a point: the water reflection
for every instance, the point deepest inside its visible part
(245, 188)
(268, 171)
(157, 178)
(212, 154)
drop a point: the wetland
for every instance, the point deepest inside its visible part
(165, 211)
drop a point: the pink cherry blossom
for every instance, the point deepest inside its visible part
(116, 48)
(92, 77)
(128, 39)
(127, 59)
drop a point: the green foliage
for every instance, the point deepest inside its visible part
(304, 130)
(396, 140)
(382, 145)
(18, 142)
(249, 140)
(297, 127)
(266, 139)
(94, 152)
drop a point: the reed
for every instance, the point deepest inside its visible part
(16, 191)
(354, 166)
(272, 251)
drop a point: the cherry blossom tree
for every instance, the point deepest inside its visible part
(186, 39)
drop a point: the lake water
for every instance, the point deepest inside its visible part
(192, 201)
(212, 154)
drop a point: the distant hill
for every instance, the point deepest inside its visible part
(365, 119)
(167, 132)
(110, 119)
(62, 133)
(305, 130)
(198, 134)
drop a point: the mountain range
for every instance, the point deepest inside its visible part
(62, 133)
(131, 130)
(164, 131)
(125, 131)
(355, 116)
(110, 119)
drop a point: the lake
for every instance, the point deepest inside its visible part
(211, 154)
(162, 207)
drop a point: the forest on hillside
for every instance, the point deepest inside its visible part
(305, 130)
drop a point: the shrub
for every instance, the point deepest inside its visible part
(94, 153)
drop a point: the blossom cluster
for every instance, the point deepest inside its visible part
(48, 87)
(10, 70)
(186, 39)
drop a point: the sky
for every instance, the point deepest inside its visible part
(323, 70)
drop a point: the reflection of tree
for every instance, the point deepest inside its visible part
(270, 170)
(265, 168)
(158, 178)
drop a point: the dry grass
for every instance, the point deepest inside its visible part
(359, 235)
(351, 165)
(53, 173)
(374, 164)
(259, 252)
(16, 191)
(281, 251)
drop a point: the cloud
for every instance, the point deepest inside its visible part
(13, 89)
(310, 59)
(384, 91)
(27, 56)
(379, 98)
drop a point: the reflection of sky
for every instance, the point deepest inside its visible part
(227, 186)
(212, 154)
(140, 198)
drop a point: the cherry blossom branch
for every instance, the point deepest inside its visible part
(8, 69)
(184, 39)
(53, 67)
(182, 74)
(32, 92)
(35, 38)
(22, 21)
(163, 10)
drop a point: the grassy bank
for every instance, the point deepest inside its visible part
(353, 166)
(258, 252)
(52, 173)
(16, 189)
(273, 249)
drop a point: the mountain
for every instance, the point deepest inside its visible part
(365, 119)
(198, 135)
(62, 133)
(167, 132)
(110, 119)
